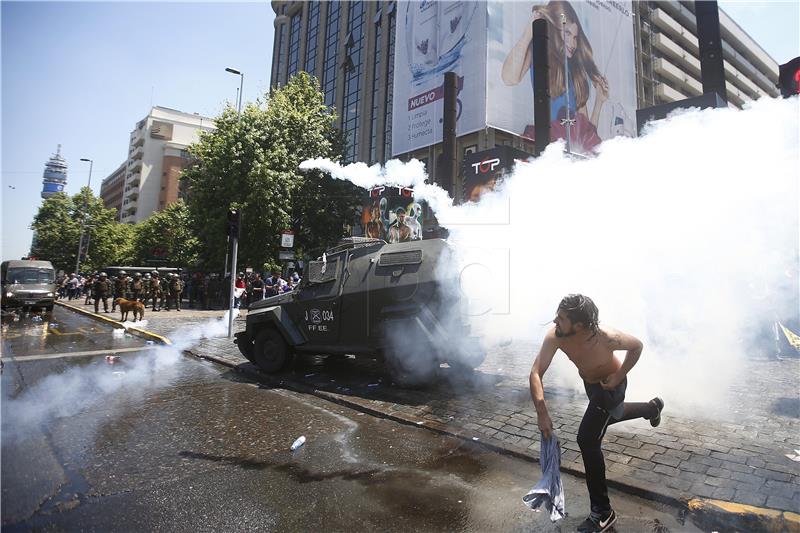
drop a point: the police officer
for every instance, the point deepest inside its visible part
(88, 284)
(175, 290)
(101, 290)
(155, 290)
(146, 289)
(165, 292)
(137, 287)
(120, 288)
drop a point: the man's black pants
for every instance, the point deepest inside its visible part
(605, 408)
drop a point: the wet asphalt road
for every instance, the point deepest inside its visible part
(60, 332)
(161, 441)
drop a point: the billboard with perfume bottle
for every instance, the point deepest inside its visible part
(434, 37)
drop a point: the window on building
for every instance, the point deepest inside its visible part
(391, 12)
(331, 45)
(281, 74)
(376, 74)
(294, 44)
(312, 31)
(352, 82)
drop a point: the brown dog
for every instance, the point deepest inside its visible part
(126, 306)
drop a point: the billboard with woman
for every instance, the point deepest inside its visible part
(597, 87)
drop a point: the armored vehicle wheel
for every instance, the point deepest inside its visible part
(245, 346)
(270, 351)
(467, 354)
(418, 372)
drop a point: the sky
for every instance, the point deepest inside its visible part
(81, 74)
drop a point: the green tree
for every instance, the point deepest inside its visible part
(57, 226)
(56, 232)
(167, 236)
(250, 162)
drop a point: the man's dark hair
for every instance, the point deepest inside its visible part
(580, 308)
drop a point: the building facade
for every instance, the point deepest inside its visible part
(112, 187)
(156, 156)
(54, 178)
(350, 48)
(668, 61)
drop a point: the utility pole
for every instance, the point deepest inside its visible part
(234, 228)
(541, 85)
(83, 222)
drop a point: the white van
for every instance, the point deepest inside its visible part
(28, 284)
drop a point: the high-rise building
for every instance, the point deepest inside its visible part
(112, 187)
(668, 59)
(156, 156)
(55, 175)
(350, 47)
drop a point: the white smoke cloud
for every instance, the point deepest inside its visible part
(686, 237)
(81, 387)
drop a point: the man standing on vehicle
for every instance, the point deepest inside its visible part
(591, 349)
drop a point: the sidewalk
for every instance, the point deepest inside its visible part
(743, 461)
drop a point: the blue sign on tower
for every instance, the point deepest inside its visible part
(55, 175)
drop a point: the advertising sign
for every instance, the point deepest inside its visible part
(52, 188)
(434, 37)
(392, 214)
(601, 71)
(287, 238)
(483, 170)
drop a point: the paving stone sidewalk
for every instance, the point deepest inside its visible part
(743, 458)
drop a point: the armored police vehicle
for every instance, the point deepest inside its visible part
(398, 302)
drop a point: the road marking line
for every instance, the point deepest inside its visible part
(76, 354)
(60, 333)
(131, 329)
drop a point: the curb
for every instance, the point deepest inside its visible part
(149, 335)
(722, 515)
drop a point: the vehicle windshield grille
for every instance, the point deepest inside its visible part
(353, 243)
(322, 272)
(410, 257)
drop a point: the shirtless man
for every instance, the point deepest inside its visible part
(591, 348)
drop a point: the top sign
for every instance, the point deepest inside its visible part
(287, 239)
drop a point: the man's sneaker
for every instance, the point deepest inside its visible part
(598, 524)
(658, 403)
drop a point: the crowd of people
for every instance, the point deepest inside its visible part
(161, 291)
(167, 291)
(256, 286)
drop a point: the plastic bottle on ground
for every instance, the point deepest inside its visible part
(299, 442)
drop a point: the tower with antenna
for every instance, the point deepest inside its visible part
(55, 175)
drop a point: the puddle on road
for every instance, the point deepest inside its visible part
(60, 331)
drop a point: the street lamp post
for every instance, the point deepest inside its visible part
(241, 86)
(83, 221)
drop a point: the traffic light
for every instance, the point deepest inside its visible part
(789, 78)
(234, 223)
